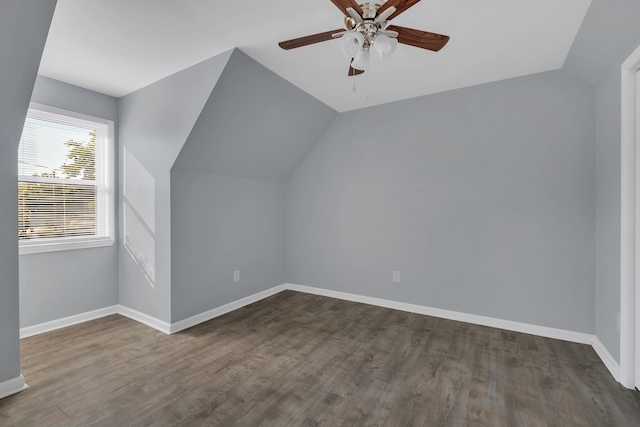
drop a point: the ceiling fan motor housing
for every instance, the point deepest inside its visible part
(367, 25)
(369, 10)
(370, 31)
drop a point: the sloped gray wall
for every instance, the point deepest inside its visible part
(608, 31)
(483, 198)
(256, 125)
(154, 123)
(23, 31)
(227, 186)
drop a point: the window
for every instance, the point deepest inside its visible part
(65, 181)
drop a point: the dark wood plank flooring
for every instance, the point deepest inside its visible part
(303, 360)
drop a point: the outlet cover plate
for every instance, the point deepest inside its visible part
(396, 277)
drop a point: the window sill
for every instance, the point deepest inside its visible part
(37, 248)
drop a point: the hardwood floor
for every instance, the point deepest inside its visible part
(302, 360)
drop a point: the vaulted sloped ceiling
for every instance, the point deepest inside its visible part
(255, 125)
(126, 45)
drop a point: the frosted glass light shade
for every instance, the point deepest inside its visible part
(385, 46)
(351, 43)
(361, 60)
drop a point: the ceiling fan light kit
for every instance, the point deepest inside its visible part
(385, 46)
(367, 26)
(361, 61)
(352, 43)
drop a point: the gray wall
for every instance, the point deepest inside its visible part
(59, 284)
(608, 136)
(220, 224)
(606, 38)
(58, 94)
(23, 31)
(154, 123)
(227, 186)
(483, 198)
(363, 203)
(608, 227)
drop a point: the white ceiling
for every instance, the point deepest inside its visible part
(119, 46)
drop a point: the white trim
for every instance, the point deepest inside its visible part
(628, 262)
(509, 325)
(167, 328)
(219, 311)
(607, 358)
(526, 328)
(63, 181)
(69, 113)
(145, 319)
(12, 386)
(41, 328)
(27, 249)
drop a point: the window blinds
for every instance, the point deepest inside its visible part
(65, 186)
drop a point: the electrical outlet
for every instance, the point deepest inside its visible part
(618, 322)
(236, 276)
(396, 277)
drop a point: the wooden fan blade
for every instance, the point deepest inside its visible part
(400, 5)
(418, 38)
(305, 41)
(353, 71)
(344, 4)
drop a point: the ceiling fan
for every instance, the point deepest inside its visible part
(367, 26)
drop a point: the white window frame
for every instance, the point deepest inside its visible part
(104, 205)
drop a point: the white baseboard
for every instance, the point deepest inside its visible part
(13, 386)
(607, 358)
(219, 311)
(168, 328)
(145, 319)
(508, 325)
(41, 328)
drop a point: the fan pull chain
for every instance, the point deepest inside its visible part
(366, 81)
